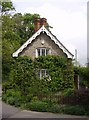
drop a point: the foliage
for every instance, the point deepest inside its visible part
(55, 108)
(74, 110)
(23, 87)
(23, 77)
(12, 97)
(59, 70)
(9, 85)
(6, 7)
(22, 74)
(15, 32)
(38, 106)
(68, 92)
(83, 72)
(78, 97)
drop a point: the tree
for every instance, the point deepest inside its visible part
(7, 7)
(24, 25)
(16, 30)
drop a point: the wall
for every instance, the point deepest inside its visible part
(31, 49)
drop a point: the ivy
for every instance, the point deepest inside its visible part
(60, 70)
(83, 72)
(24, 75)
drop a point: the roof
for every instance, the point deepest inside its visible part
(44, 30)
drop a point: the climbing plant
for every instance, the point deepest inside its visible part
(60, 69)
(24, 74)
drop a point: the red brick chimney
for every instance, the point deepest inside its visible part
(43, 21)
(39, 22)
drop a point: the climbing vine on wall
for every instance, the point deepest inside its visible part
(60, 69)
(24, 74)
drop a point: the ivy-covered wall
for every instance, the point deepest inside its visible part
(24, 75)
(83, 73)
(60, 69)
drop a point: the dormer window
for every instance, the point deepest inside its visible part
(42, 52)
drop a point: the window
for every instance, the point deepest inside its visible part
(43, 73)
(42, 51)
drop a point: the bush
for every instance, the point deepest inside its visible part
(7, 85)
(55, 108)
(37, 106)
(74, 110)
(34, 99)
(78, 97)
(12, 97)
(28, 98)
(68, 92)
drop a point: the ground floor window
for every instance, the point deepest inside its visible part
(43, 73)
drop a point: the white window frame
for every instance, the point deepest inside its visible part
(45, 49)
(46, 74)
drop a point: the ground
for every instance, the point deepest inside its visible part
(12, 112)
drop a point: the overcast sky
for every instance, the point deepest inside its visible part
(68, 19)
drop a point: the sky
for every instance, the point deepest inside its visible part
(68, 19)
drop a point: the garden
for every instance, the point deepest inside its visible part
(20, 82)
(26, 90)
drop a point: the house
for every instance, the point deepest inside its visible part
(42, 43)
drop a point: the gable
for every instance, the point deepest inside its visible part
(42, 41)
(38, 33)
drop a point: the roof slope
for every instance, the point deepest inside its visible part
(56, 41)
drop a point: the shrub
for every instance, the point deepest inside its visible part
(37, 106)
(34, 99)
(12, 97)
(50, 101)
(28, 98)
(4, 97)
(7, 85)
(55, 108)
(68, 92)
(84, 74)
(78, 97)
(13, 101)
(86, 109)
(74, 110)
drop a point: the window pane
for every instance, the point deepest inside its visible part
(38, 52)
(43, 52)
(39, 74)
(47, 51)
(42, 73)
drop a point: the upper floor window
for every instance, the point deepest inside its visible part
(42, 51)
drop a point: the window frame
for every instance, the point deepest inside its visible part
(47, 51)
(46, 74)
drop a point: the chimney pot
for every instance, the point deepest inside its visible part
(43, 21)
(39, 22)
